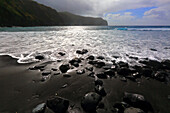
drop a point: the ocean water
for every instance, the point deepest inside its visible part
(24, 43)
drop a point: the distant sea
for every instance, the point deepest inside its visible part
(114, 42)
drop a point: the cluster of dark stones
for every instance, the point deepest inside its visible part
(99, 68)
(148, 68)
(133, 103)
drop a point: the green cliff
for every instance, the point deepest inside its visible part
(31, 13)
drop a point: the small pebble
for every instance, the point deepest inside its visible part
(65, 85)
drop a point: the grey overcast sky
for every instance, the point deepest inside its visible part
(117, 12)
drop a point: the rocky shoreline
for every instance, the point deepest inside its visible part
(93, 84)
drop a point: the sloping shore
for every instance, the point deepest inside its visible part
(24, 86)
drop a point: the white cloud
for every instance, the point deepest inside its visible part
(118, 19)
(156, 16)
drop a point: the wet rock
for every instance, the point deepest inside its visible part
(65, 85)
(91, 75)
(101, 75)
(152, 64)
(98, 82)
(100, 64)
(61, 53)
(147, 72)
(58, 104)
(64, 68)
(155, 64)
(123, 64)
(90, 101)
(111, 73)
(56, 73)
(153, 49)
(79, 72)
(67, 75)
(161, 76)
(89, 68)
(59, 60)
(124, 71)
(167, 48)
(136, 75)
(120, 107)
(46, 73)
(133, 110)
(135, 58)
(116, 57)
(100, 90)
(39, 108)
(75, 62)
(91, 57)
(166, 64)
(54, 69)
(39, 57)
(100, 57)
(143, 62)
(107, 67)
(131, 78)
(84, 51)
(123, 79)
(92, 62)
(138, 101)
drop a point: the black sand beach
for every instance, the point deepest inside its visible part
(23, 87)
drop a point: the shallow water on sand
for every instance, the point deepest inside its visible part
(143, 42)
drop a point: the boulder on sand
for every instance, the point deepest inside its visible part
(58, 104)
(90, 101)
(64, 68)
(137, 101)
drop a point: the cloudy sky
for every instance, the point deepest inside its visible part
(118, 12)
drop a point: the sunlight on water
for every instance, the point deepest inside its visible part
(26, 43)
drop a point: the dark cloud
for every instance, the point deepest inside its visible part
(101, 7)
(73, 6)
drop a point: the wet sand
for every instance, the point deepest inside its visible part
(22, 89)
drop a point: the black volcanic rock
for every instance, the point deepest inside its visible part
(64, 68)
(91, 57)
(83, 51)
(161, 76)
(166, 64)
(39, 108)
(58, 104)
(124, 71)
(39, 57)
(90, 101)
(100, 90)
(138, 101)
(101, 75)
(123, 64)
(98, 82)
(75, 62)
(100, 57)
(61, 53)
